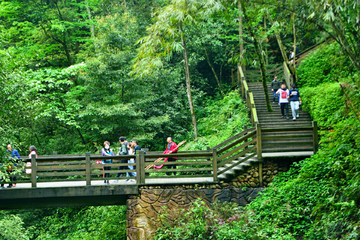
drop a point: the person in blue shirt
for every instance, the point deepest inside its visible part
(295, 101)
(15, 156)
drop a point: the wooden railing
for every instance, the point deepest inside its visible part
(212, 162)
(248, 95)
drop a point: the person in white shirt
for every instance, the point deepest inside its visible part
(284, 100)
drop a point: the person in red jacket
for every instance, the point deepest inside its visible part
(171, 148)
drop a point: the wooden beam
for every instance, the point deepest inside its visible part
(142, 167)
(33, 170)
(214, 164)
(88, 169)
(258, 142)
(315, 136)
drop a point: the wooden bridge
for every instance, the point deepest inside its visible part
(76, 180)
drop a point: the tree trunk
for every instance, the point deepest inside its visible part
(266, 50)
(92, 27)
(213, 70)
(241, 39)
(281, 46)
(294, 32)
(188, 86)
(261, 61)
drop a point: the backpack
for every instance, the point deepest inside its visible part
(123, 147)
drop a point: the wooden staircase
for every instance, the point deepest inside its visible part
(281, 141)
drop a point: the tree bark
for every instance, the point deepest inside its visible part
(261, 61)
(188, 86)
(294, 32)
(92, 27)
(241, 39)
(213, 70)
(281, 46)
(266, 50)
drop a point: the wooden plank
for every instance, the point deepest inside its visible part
(285, 137)
(235, 137)
(61, 174)
(230, 159)
(138, 173)
(33, 171)
(215, 168)
(100, 166)
(315, 136)
(243, 146)
(189, 155)
(60, 168)
(88, 169)
(236, 163)
(179, 163)
(111, 171)
(236, 142)
(182, 176)
(179, 170)
(142, 168)
(259, 142)
(294, 129)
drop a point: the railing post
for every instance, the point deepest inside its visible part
(138, 167)
(245, 129)
(258, 142)
(33, 170)
(214, 156)
(260, 175)
(88, 169)
(315, 136)
(259, 152)
(142, 167)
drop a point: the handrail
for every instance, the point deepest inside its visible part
(249, 97)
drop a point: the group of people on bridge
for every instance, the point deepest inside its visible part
(286, 96)
(130, 148)
(126, 148)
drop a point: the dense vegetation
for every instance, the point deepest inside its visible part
(318, 198)
(92, 70)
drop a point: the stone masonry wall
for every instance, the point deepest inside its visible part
(143, 210)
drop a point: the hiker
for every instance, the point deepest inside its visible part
(131, 160)
(295, 101)
(107, 151)
(275, 85)
(291, 57)
(33, 151)
(171, 148)
(284, 101)
(134, 147)
(123, 150)
(297, 50)
(15, 156)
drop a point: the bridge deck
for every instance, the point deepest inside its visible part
(153, 181)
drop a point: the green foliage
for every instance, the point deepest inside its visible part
(221, 120)
(106, 222)
(199, 222)
(323, 65)
(12, 228)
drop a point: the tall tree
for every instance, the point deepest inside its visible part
(167, 34)
(253, 25)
